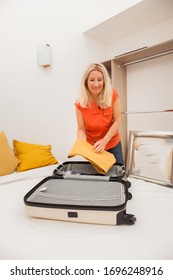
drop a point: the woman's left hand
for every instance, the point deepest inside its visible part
(100, 145)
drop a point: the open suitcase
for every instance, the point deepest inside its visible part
(76, 192)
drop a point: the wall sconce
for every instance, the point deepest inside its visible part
(44, 55)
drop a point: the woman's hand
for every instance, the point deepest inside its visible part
(100, 145)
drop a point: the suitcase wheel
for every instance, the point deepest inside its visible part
(129, 196)
(128, 184)
(124, 218)
(129, 219)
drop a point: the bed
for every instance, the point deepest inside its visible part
(23, 237)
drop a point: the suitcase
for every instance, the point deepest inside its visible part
(76, 192)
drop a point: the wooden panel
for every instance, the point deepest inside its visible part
(119, 82)
(108, 66)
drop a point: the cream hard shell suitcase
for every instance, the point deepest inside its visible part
(77, 193)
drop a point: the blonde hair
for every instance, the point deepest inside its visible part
(105, 97)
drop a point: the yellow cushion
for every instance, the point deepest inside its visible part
(8, 161)
(33, 155)
(102, 161)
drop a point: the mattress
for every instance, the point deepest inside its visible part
(23, 237)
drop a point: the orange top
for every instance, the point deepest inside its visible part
(98, 121)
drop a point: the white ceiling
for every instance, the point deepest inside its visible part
(132, 20)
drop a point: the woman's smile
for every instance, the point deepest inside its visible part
(95, 82)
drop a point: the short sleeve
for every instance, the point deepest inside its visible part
(77, 105)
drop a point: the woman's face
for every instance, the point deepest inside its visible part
(95, 82)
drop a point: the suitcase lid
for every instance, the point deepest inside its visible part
(85, 168)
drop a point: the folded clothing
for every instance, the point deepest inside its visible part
(102, 161)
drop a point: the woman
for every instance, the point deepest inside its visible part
(98, 112)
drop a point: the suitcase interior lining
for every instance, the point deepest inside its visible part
(76, 192)
(85, 168)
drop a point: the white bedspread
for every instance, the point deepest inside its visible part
(23, 237)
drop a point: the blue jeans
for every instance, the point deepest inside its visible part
(118, 154)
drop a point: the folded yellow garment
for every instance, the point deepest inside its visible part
(102, 161)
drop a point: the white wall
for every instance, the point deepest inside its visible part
(37, 105)
(96, 12)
